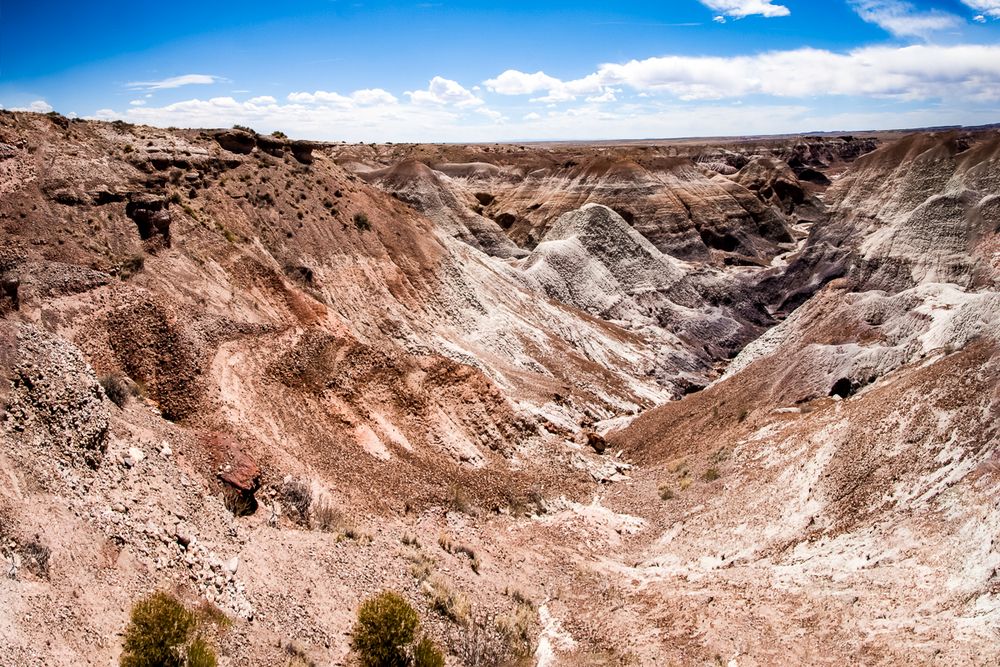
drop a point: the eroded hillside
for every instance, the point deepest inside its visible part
(646, 404)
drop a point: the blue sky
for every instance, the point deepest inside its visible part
(473, 71)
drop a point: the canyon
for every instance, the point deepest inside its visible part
(721, 401)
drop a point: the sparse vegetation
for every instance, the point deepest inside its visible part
(35, 556)
(361, 222)
(445, 601)
(386, 635)
(162, 632)
(666, 493)
(491, 641)
(711, 475)
(131, 266)
(326, 516)
(297, 497)
(458, 501)
(297, 656)
(244, 128)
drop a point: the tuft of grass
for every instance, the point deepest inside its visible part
(711, 475)
(445, 601)
(666, 493)
(326, 516)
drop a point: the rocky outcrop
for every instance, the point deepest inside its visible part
(243, 142)
(152, 218)
(454, 210)
(54, 398)
(236, 141)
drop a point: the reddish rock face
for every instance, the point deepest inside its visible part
(232, 465)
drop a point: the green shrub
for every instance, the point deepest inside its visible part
(162, 632)
(386, 626)
(386, 635)
(426, 654)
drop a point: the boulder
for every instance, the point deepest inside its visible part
(232, 465)
(150, 214)
(236, 141)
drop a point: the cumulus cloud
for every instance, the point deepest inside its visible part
(906, 73)
(445, 92)
(364, 97)
(990, 8)
(514, 82)
(741, 8)
(38, 106)
(902, 19)
(175, 82)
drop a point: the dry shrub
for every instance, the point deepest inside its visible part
(445, 601)
(35, 556)
(491, 641)
(297, 496)
(326, 516)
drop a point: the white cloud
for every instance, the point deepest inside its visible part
(990, 8)
(607, 96)
(322, 97)
(445, 92)
(373, 96)
(902, 19)
(741, 8)
(137, 103)
(719, 19)
(319, 116)
(513, 82)
(175, 82)
(38, 106)
(979, 18)
(412, 122)
(908, 73)
(359, 98)
(493, 115)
